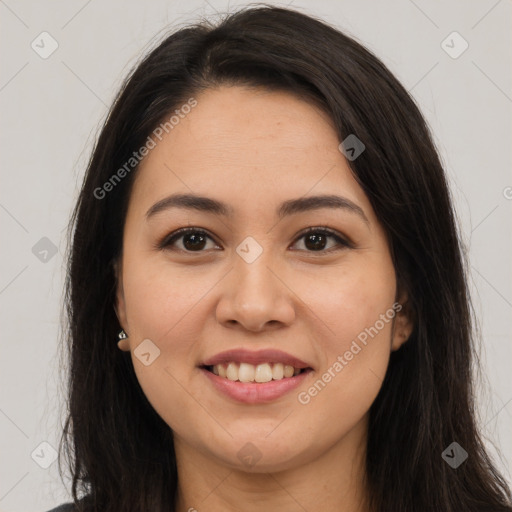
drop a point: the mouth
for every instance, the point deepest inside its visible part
(260, 373)
(255, 377)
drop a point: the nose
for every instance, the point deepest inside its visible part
(255, 297)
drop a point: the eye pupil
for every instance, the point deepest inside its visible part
(316, 238)
(197, 241)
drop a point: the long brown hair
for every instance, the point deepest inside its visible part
(119, 450)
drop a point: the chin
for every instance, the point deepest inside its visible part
(262, 454)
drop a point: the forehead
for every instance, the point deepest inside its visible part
(239, 142)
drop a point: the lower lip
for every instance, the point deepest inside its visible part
(255, 392)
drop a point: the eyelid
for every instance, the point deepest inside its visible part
(342, 240)
(167, 239)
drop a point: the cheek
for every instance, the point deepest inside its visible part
(161, 300)
(355, 322)
(347, 301)
(163, 307)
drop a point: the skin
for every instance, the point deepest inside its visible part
(253, 149)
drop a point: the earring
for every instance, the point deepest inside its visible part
(122, 336)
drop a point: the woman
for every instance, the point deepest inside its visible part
(266, 293)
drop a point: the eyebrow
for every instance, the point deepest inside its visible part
(289, 207)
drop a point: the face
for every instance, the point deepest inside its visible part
(248, 288)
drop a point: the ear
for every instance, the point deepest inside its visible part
(120, 305)
(403, 322)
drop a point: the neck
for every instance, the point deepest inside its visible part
(334, 480)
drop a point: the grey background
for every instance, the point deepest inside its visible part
(51, 110)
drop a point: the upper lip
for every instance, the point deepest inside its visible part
(240, 355)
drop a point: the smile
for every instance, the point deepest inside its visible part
(261, 373)
(253, 392)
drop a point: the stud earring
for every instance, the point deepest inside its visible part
(122, 336)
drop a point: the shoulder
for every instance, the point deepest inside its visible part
(66, 507)
(70, 507)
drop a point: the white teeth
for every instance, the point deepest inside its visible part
(232, 371)
(246, 372)
(264, 372)
(278, 371)
(288, 371)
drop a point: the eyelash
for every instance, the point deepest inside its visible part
(168, 240)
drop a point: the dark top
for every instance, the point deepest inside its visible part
(66, 507)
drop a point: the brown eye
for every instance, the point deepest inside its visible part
(196, 240)
(316, 240)
(192, 240)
